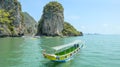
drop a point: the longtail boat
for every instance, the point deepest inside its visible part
(65, 52)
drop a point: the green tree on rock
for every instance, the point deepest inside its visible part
(69, 30)
(6, 19)
(4, 16)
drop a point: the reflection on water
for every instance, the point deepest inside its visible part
(56, 64)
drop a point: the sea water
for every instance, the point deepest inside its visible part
(98, 51)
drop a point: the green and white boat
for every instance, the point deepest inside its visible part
(65, 52)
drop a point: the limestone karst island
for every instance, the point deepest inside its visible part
(15, 23)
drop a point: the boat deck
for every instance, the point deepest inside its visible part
(66, 51)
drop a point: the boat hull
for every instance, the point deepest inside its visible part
(61, 58)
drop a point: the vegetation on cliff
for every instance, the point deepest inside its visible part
(5, 17)
(6, 21)
(53, 6)
(69, 30)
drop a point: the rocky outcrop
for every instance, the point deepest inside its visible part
(14, 26)
(30, 24)
(52, 20)
(69, 30)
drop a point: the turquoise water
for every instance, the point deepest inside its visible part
(98, 51)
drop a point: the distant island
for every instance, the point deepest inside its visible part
(92, 33)
(15, 23)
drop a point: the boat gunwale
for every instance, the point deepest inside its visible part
(64, 54)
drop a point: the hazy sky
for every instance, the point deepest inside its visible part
(88, 16)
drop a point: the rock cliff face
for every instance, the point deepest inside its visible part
(14, 26)
(52, 20)
(30, 24)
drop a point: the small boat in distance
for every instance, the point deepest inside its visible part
(65, 52)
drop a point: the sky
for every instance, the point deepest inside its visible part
(88, 16)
